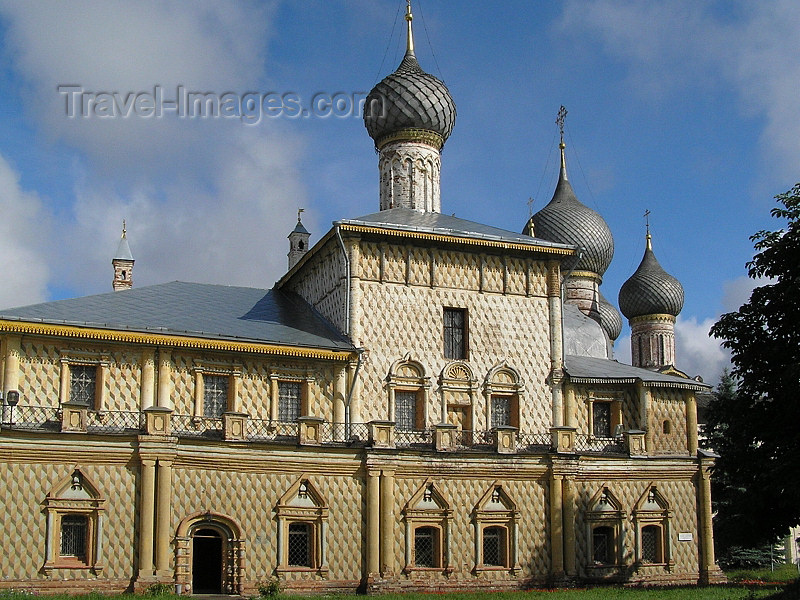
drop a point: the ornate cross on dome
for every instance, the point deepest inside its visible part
(647, 220)
(562, 115)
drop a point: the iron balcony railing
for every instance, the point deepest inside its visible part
(49, 419)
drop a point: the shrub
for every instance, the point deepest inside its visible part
(269, 589)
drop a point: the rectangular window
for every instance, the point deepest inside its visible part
(405, 410)
(426, 547)
(289, 401)
(215, 395)
(299, 546)
(601, 419)
(501, 411)
(74, 529)
(494, 546)
(455, 333)
(83, 380)
(651, 544)
(602, 544)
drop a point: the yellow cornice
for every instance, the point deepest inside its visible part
(174, 341)
(654, 317)
(410, 134)
(454, 239)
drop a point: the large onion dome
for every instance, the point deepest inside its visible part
(566, 220)
(409, 103)
(610, 319)
(650, 290)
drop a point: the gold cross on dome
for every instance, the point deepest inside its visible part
(647, 220)
(562, 115)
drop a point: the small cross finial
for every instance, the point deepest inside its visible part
(299, 212)
(647, 221)
(562, 115)
(530, 206)
(124, 229)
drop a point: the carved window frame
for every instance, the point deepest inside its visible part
(504, 380)
(304, 378)
(652, 509)
(614, 400)
(408, 375)
(302, 503)
(496, 509)
(74, 495)
(100, 361)
(435, 512)
(605, 510)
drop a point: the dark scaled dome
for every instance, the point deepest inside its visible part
(566, 220)
(409, 98)
(610, 319)
(650, 290)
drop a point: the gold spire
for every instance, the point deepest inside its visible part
(648, 237)
(562, 115)
(410, 39)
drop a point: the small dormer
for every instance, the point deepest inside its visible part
(123, 264)
(298, 241)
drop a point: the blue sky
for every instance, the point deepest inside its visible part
(687, 109)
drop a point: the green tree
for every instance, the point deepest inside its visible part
(755, 427)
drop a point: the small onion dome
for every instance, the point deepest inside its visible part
(610, 319)
(650, 290)
(567, 220)
(409, 103)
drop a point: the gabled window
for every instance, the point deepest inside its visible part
(302, 521)
(427, 517)
(455, 333)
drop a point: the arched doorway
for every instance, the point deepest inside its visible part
(209, 554)
(207, 565)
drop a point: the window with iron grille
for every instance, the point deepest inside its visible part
(455, 333)
(651, 551)
(494, 546)
(215, 395)
(299, 546)
(501, 411)
(601, 419)
(405, 410)
(424, 547)
(83, 380)
(602, 545)
(74, 529)
(288, 401)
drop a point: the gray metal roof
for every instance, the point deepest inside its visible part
(406, 219)
(123, 250)
(409, 98)
(650, 290)
(567, 220)
(197, 310)
(585, 369)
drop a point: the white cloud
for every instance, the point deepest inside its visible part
(24, 235)
(205, 200)
(687, 45)
(696, 352)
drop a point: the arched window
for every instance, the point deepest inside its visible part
(408, 394)
(502, 388)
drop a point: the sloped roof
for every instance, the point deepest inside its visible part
(586, 369)
(406, 219)
(195, 310)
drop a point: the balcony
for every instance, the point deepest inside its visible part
(75, 418)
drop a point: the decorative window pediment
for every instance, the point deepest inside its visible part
(408, 388)
(74, 509)
(496, 519)
(651, 517)
(427, 515)
(604, 519)
(302, 529)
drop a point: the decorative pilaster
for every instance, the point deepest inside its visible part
(147, 395)
(556, 341)
(164, 378)
(373, 523)
(147, 515)
(163, 518)
(556, 526)
(11, 371)
(691, 423)
(387, 523)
